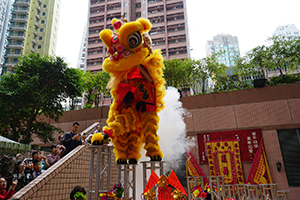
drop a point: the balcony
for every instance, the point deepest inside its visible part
(19, 11)
(18, 28)
(36, 25)
(15, 46)
(40, 1)
(20, 19)
(38, 8)
(33, 41)
(35, 33)
(32, 50)
(12, 55)
(9, 65)
(37, 16)
(22, 3)
(16, 37)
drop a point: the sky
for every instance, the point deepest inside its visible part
(251, 21)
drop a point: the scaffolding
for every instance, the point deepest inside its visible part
(127, 176)
(100, 170)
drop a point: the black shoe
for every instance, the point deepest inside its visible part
(122, 161)
(155, 158)
(132, 161)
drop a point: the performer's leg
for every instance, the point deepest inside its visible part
(119, 130)
(150, 125)
(121, 146)
(134, 146)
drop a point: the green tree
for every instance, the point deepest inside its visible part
(191, 73)
(36, 90)
(282, 53)
(95, 87)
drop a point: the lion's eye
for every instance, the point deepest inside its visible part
(134, 40)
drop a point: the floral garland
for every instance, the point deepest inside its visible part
(150, 195)
(197, 192)
(107, 195)
(115, 193)
(176, 194)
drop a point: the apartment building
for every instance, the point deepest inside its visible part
(5, 12)
(169, 26)
(33, 28)
(228, 48)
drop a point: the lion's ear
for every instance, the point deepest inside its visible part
(105, 36)
(146, 24)
(114, 20)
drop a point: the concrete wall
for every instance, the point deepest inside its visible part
(269, 109)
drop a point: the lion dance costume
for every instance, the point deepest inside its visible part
(137, 88)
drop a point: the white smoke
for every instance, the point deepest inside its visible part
(172, 130)
(172, 137)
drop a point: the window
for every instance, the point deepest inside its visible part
(138, 14)
(43, 21)
(217, 45)
(40, 38)
(289, 141)
(42, 30)
(235, 45)
(39, 46)
(125, 4)
(44, 13)
(221, 45)
(296, 33)
(138, 5)
(44, 6)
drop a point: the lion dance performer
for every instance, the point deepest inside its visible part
(137, 88)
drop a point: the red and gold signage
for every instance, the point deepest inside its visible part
(224, 159)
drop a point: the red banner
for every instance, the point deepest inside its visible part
(259, 172)
(174, 181)
(224, 160)
(164, 193)
(192, 167)
(249, 141)
(153, 179)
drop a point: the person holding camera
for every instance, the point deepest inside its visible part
(56, 152)
(36, 155)
(23, 173)
(6, 195)
(72, 139)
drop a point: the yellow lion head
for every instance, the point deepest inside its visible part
(128, 46)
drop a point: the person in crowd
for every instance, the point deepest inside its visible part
(6, 169)
(23, 173)
(36, 155)
(56, 152)
(98, 129)
(60, 139)
(78, 193)
(4, 195)
(37, 168)
(72, 139)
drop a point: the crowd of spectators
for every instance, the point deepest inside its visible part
(19, 172)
